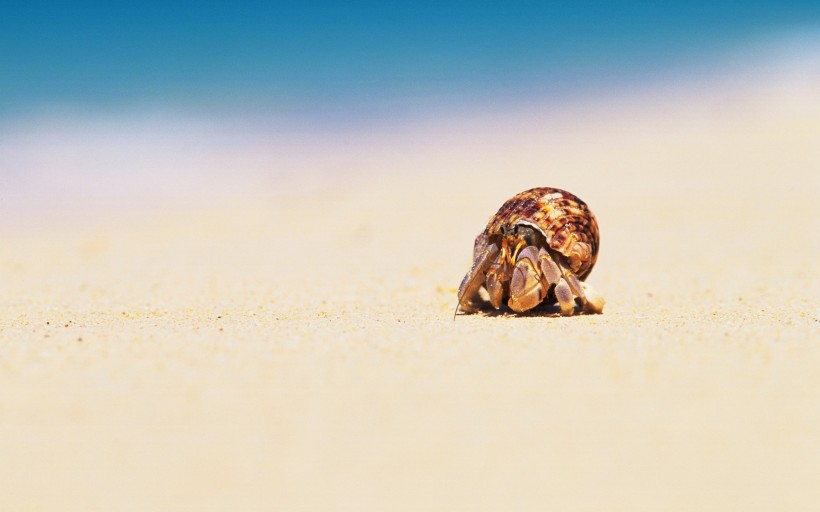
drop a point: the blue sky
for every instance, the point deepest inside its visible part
(297, 56)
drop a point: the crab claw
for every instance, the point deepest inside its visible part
(549, 268)
(526, 288)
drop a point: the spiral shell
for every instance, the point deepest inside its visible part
(563, 218)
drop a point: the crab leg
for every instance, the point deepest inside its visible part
(484, 255)
(595, 302)
(590, 299)
(497, 275)
(565, 299)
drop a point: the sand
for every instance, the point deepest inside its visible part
(294, 348)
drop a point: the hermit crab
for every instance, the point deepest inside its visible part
(538, 248)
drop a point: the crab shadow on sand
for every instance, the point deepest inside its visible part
(544, 310)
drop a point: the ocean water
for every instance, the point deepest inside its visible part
(315, 57)
(104, 106)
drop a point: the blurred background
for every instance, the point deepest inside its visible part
(114, 105)
(231, 236)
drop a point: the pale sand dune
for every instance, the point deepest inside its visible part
(296, 350)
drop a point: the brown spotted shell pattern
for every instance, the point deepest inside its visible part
(538, 248)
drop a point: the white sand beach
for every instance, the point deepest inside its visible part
(290, 345)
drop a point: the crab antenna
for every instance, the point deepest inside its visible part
(458, 305)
